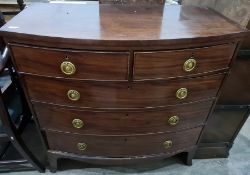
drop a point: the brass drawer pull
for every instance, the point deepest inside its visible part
(81, 146)
(189, 65)
(73, 95)
(68, 68)
(174, 120)
(181, 93)
(77, 123)
(168, 144)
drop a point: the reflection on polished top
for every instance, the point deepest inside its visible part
(119, 22)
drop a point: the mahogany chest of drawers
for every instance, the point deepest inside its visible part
(117, 84)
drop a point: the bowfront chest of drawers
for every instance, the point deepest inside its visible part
(118, 84)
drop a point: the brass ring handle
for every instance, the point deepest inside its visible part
(73, 95)
(68, 68)
(181, 93)
(81, 146)
(189, 65)
(168, 144)
(174, 120)
(77, 123)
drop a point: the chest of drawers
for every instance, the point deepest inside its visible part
(118, 84)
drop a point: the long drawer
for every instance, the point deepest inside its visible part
(122, 146)
(117, 123)
(71, 63)
(166, 64)
(122, 94)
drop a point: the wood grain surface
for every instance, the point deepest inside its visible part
(127, 25)
(89, 65)
(129, 61)
(122, 146)
(153, 65)
(122, 123)
(121, 94)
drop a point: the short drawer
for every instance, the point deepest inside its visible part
(177, 63)
(71, 63)
(122, 123)
(122, 146)
(122, 94)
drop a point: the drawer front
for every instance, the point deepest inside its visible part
(122, 123)
(122, 146)
(153, 65)
(118, 94)
(71, 64)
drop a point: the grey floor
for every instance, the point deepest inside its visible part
(238, 163)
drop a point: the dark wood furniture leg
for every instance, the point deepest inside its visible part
(21, 4)
(53, 160)
(190, 156)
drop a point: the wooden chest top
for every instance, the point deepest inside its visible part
(126, 24)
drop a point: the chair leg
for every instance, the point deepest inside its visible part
(16, 139)
(25, 107)
(26, 153)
